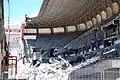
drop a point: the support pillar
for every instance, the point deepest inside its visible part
(52, 32)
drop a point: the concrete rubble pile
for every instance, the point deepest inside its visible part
(56, 71)
(59, 70)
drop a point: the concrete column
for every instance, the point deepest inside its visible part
(52, 32)
(76, 28)
(37, 30)
(119, 72)
(1, 56)
(65, 30)
(103, 75)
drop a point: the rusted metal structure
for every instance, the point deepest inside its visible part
(11, 64)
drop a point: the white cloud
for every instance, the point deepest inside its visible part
(16, 23)
(33, 14)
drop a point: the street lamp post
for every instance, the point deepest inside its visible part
(8, 25)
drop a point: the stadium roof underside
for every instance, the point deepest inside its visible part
(59, 16)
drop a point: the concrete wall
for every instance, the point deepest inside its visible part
(2, 36)
(101, 70)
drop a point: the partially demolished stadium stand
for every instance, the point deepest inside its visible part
(93, 48)
(94, 55)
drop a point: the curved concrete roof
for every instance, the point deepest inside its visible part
(56, 13)
(64, 13)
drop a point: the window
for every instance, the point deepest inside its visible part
(58, 30)
(30, 31)
(71, 28)
(45, 31)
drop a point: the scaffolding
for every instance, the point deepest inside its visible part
(10, 66)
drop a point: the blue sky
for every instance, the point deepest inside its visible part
(18, 8)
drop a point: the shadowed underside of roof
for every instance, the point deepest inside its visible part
(70, 12)
(82, 14)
